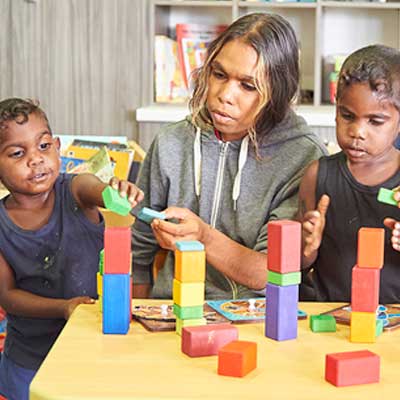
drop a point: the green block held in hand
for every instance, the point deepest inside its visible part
(386, 196)
(114, 202)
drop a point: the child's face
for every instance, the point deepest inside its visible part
(29, 157)
(366, 127)
(232, 98)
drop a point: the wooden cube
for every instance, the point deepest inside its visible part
(237, 358)
(365, 289)
(188, 294)
(190, 266)
(362, 327)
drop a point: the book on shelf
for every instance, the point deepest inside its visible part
(193, 40)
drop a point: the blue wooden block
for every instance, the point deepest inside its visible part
(281, 312)
(147, 215)
(116, 303)
(189, 245)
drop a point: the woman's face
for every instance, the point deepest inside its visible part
(232, 98)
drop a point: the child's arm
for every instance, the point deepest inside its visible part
(25, 304)
(311, 215)
(395, 228)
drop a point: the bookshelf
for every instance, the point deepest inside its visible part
(322, 27)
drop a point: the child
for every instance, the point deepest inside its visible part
(338, 194)
(51, 233)
(231, 166)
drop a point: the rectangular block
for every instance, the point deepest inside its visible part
(116, 303)
(188, 294)
(99, 284)
(291, 278)
(365, 284)
(101, 262)
(199, 341)
(114, 202)
(117, 250)
(147, 215)
(386, 196)
(182, 323)
(322, 323)
(237, 358)
(284, 246)
(189, 245)
(281, 312)
(190, 266)
(352, 368)
(192, 312)
(362, 327)
(371, 245)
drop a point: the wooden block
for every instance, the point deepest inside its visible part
(291, 278)
(199, 341)
(281, 312)
(188, 294)
(192, 312)
(182, 323)
(237, 358)
(99, 284)
(284, 246)
(114, 202)
(189, 245)
(101, 262)
(117, 250)
(365, 289)
(190, 266)
(362, 327)
(352, 368)
(116, 303)
(386, 196)
(322, 323)
(147, 215)
(371, 244)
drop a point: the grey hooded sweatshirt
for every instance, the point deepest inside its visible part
(227, 186)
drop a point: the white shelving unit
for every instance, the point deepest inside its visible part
(322, 27)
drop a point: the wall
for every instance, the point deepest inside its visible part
(83, 59)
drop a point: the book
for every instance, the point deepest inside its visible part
(193, 40)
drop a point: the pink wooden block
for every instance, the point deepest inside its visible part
(365, 289)
(206, 340)
(352, 368)
(117, 250)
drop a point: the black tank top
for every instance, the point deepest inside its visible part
(352, 206)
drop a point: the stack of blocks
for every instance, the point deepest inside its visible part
(3, 326)
(188, 286)
(282, 292)
(365, 285)
(116, 282)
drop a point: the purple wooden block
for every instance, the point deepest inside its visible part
(281, 311)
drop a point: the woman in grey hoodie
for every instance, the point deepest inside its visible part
(230, 167)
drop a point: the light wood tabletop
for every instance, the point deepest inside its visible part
(85, 364)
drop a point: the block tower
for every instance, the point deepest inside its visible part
(188, 286)
(116, 282)
(365, 285)
(282, 292)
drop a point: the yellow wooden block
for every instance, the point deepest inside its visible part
(99, 284)
(362, 327)
(181, 323)
(188, 294)
(190, 266)
(100, 303)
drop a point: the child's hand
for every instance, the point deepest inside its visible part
(125, 188)
(313, 226)
(71, 304)
(395, 227)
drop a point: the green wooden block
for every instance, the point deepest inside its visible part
(191, 312)
(101, 262)
(291, 278)
(114, 202)
(379, 327)
(322, 323)
(386, 196)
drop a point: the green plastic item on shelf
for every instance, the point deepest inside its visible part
(114, 202)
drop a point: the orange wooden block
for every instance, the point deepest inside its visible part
(371, 244)
(237, 358)
(190, 266)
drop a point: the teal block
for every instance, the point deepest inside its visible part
(101, 262)
(386, 196)
(189, 245)
(379, 327)
(191, 312)
(322, 323)
(114, 202)
(147, 215)
(291, 278)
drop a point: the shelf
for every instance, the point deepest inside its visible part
(185, 3)
(277, 4)
(161, 113)
(361, 4)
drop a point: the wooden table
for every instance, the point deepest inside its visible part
(85, 364)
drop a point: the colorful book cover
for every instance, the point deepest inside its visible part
(193, 40)
(69, 163)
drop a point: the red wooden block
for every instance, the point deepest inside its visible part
(206, 340)
(117, 250)
(365, 289)
(371, 245)
(284, 246)
(237, 358)
(352, 368)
